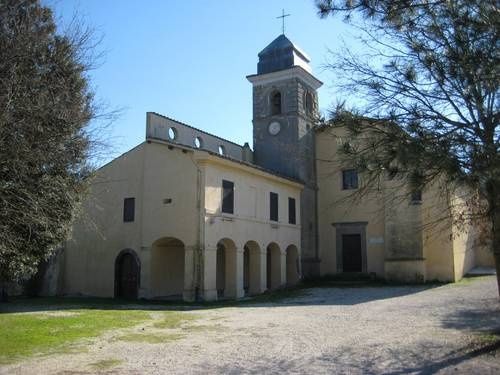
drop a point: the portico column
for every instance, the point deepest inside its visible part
(299, 264)
(234, 273)
(282, 268)
(189, 273)
(210, 274)
(240, 291)
(263, 270)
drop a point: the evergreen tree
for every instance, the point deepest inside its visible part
(429, 78)
(45, 108)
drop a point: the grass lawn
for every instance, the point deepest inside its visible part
(60, 330)
(55, 325)
(24, 334)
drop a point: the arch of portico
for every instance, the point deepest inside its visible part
(252, 268)
(228, 284)
(167, 268)
(274, 267)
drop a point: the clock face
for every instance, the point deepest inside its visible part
(274, 128)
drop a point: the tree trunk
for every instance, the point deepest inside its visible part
(496, 242)
(4, 297)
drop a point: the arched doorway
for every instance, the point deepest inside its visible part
(273, 266)
(167, 268)
(251, 268)
(127, 274)
(292, 265)
(226, 269)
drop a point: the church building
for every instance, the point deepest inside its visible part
(187, 214)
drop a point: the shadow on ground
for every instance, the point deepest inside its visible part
(475, 319)
(425, 359)
(297, 296)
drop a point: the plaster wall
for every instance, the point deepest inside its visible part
(150, 173)
(437, 236)
(464, 244)
(99, 234)
(483, 257)
(177, 222)
(158, 126)
(337, 206)
(250, 221)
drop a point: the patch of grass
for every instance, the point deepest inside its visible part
(25, 334)
(173, 319)
(151, 338)
(106, 364)
(469, 280)
(202, 328)
(489, 337)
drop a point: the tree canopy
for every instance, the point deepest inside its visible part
(45, 108)
(431, 69)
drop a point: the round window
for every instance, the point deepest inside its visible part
(222, 150)
(172, 133)
(198, 142)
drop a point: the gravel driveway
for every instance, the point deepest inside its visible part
(395, 330)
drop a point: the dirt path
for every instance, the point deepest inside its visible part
(329, 330)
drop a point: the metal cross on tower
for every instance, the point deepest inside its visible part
(283, 15)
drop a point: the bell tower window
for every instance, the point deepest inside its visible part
(276, 103)
(309, 103)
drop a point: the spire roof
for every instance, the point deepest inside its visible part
(281, 54)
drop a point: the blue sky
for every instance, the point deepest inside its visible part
(188, 59)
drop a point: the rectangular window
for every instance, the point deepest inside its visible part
(416, 197)
(273, 213)
(128, 209)
(227, 197)
(349, 179)
(291, 211)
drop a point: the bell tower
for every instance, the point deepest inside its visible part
(285, 109)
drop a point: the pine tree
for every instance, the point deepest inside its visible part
(430, 73)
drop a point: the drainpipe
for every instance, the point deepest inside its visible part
(199, 264)
(198, 253)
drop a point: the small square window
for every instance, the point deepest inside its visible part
(128, 209)
(416, 197)
(349, 179)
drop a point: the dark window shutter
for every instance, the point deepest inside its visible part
(128, 209)
(227, 197)
(291, 211)
(273, 207)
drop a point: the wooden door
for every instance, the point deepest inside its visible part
(128, 277)
(351, 253)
